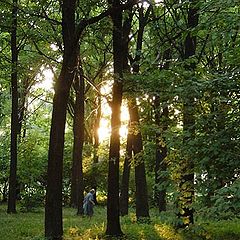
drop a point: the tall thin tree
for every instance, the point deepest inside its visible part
(72, 33)
(161, 153)
(124, 197)
(14, 115)
(113, 221)
(53, 207)
(78, 132)
(162, 121)
(142, 207)
(186, 184)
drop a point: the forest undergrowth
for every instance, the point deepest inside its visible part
(30, 226)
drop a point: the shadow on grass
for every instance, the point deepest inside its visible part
(132, 231)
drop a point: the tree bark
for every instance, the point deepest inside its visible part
(186, 185)
(161, 120)
(125, 178)
(113, 221)
(161, 153)
(127, 25)
(77, 188)
(14, 116)
(53, 207)
(142, 208)
(96, 127)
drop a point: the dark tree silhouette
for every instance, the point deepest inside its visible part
(53, 207)
(14, 116)
(77, 187)
(186, 185)
(125, 178)
(113, 221)
(161, 153)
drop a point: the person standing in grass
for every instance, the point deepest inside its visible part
(88, 203)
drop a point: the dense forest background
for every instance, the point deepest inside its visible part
(138, 99)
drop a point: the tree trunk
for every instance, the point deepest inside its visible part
(113, 221)
(161, 153)
(186, 185)
(142, 208)
(125, 178)
(77, 188)
(96, 127)
(53, 207)
(127, 25)
(161, 120)
(14, 117)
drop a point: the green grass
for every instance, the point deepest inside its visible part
(30, 226)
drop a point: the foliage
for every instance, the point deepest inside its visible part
(225, 203)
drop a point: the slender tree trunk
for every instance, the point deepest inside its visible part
(71, 33)
(77, 188)
(186, 185)
(161, 153)
(53, 207)
(14, 116)
(125, 178)
(161, 120)
(142, 208)
(96, 127)
(22, 107)
(113, 221)
(79, 147)
(127, 25)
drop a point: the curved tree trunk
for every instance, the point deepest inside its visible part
(53, 207)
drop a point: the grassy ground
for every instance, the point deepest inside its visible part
(30, 226)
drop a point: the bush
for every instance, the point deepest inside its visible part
(31, 199)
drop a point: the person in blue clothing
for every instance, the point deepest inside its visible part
(88, 203)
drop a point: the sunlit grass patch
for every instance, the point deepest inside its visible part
(30, 226)
(166, 232)
(93, 233)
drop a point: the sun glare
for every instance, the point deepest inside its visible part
(45, 79)
(104, 130)
(48, 79)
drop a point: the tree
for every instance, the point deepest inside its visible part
(71, 35)
(161, 154)
(53, 207)
(142, 208)
(125, 177)
(113, 221)
(162, 122)
(77, 195)
(186, 184)
(14, 115)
